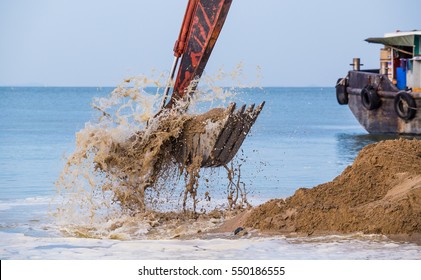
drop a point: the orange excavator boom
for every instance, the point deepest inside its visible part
(202, 23)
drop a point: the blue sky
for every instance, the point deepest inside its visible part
(99, 43)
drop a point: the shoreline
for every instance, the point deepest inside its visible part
(229, 226)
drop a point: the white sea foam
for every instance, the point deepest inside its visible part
(19, 246)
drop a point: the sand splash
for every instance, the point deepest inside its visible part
(125, 165)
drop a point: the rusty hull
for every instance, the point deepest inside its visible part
(384, 119)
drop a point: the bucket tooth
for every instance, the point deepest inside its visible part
(239, 123)
(248, 122)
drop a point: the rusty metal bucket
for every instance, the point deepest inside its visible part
(214, 138)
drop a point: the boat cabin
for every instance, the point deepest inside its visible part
(400, 58)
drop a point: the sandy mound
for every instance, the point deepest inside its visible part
(380, 193)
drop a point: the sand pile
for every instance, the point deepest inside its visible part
(379, 193)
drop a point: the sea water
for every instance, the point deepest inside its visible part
(302, 138)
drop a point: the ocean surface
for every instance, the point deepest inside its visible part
(301, 139)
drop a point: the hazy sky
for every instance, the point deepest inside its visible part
(99, 43)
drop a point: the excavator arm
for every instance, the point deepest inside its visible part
(199, 32)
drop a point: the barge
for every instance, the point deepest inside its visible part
(387, 100)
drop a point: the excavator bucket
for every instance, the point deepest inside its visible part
(213, 138)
